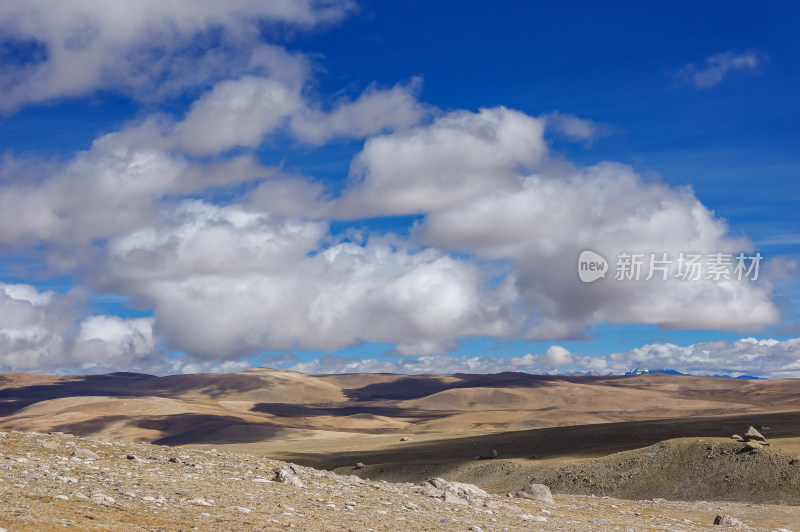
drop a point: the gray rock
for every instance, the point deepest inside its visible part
(359, 465)
(751, 446)
(458, 492)
(452, 498)
(286, 476)
(728, 521)
(753, 435)
(47, 444)
(104, 500)
(84, 454)
(536, 492)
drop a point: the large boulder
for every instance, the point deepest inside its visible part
(458, 492)
(536, 492)
(753, 435)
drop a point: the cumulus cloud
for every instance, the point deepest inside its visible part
(143, 48)
(33, 326)
(241, 112)
(460, 156)
(236, 113)
(45, 330)
(374, 111)
(225, 283)
(110, 189)
(718, 66)
(748, 356)
(543, 225)
(115, 342)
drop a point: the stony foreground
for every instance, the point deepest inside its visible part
(62, 482)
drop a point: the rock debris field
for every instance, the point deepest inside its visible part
(62, 482)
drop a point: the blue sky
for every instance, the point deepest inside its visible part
(396, 186)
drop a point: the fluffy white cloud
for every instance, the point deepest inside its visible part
(460, 156)
(226, 283)
(241, 112)
(44, 331)
(718, 66)
(544, 225)
(32, 327)
(111, 189)
(145, 47)
(748, 356)
(236, 113)
(374, 111)
(114, 341)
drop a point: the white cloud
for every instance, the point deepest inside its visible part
(748, 356)
(374, 111)
(241, 112)
(114, 341)
(146, 47)
(110, 189)
(574, 127)
(460, 156)
(225, 283)
(718, 66)
(543, 226)
(44, 331)
(236, 113)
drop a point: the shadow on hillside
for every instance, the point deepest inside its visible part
(15, 399)
(349, 409)
(554, 442)
(416, 386)
(184, 429)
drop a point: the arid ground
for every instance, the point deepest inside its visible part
(642, 437)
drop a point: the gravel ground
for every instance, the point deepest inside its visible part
(62, 482)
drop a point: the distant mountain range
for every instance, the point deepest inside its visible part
(638, 371)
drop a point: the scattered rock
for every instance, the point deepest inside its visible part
(286, 476)
(359, 465)
(537, 492)
(405, 438)
(48, 444)
(737, 437)
(753, 435)
(454, 492)
(197, 502)
(84, 454)
(174, 460)
(104, 500)
(243, 510)
(752, 446)
(726, 520)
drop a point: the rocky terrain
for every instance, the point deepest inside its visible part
(62, 482)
